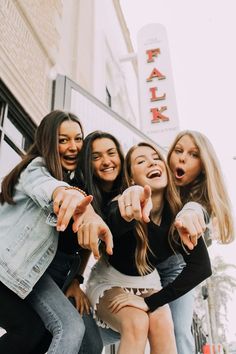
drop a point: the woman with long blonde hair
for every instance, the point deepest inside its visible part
(198, 175)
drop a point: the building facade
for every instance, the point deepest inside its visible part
(83, 40)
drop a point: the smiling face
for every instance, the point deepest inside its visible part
(147, 168)
(105, 161)
(70, 143)
(185, 162)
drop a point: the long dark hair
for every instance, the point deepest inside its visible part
(45, 145)
(91, 182)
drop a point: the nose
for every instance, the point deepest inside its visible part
(182, 157)
(73, 145)
(105, 160)
(152, 162)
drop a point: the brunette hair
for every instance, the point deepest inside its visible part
(91, 182)
(46, 146)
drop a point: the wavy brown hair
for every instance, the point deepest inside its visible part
(208, 188)
(171, 197)
(46, 146)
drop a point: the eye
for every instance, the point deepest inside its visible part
(178, 150)
(95, 157)
(139, 162)
(112, 153)
(63, 141)
(79, 139)
(194, 154)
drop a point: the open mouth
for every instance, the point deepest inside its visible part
(179, 172)
(70, 158)
(154, 174)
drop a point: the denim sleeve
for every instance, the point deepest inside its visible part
(36, 182)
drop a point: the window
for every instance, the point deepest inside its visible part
(16, 131)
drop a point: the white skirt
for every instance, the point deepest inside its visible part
(104, 277)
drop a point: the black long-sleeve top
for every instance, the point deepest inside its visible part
(197, 267)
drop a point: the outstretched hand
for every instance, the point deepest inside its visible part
(69, 203)
(93, 229)
(136, 203)
(190, 226)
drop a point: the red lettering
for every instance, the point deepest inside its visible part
(157, 116)
(156, 73)
(152, 53)
(154, 97)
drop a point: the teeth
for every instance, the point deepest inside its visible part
(108, 169)
(156, 173)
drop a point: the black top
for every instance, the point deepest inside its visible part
(197, 267)
(67, 240)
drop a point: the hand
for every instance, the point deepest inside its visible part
(68, 203)
(93, 229)
(190, 226)
(128, 299)
(136, 203)
(82, 303)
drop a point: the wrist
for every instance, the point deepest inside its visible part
(81, 191)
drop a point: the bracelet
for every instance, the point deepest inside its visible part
(77, 189)
(80, 278)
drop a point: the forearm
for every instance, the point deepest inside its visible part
(38, 183)
(197, 269)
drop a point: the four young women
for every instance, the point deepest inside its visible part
(101, 162)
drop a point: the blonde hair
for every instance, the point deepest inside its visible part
(208, 188)
(171, 196)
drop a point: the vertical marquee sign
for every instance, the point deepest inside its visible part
(158, 110)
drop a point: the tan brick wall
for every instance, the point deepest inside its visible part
(44, 17)
(29, 44)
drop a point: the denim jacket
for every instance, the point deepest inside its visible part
(27, 241)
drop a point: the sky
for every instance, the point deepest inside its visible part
(201, 38)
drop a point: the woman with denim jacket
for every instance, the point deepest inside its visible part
(34, 197)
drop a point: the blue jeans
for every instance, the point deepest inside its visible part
(59, 316)
(109, 336)
(181, 308)
(62, 270)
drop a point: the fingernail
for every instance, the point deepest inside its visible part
(61, 228)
